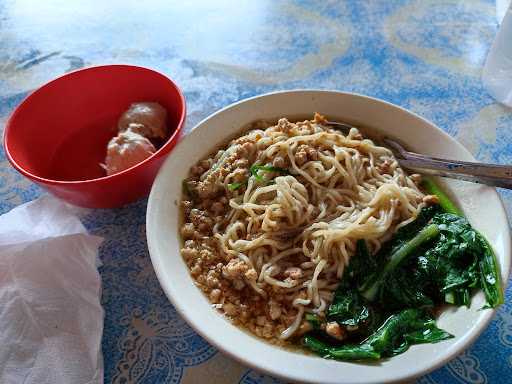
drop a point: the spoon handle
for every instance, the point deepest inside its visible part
(489, 174)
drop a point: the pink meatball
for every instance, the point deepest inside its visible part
(125, 150)
(147, 119)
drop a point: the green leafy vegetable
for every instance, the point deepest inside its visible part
(348, 307)
(407, 288)
(438, 258)
(410, 230)
(484, 261)
(460, 260)
(394, 336)
(400, 331)
(447, 270)
(361, 262)
(314, 320)
(490, 278)
(372, 287)
(345, 352)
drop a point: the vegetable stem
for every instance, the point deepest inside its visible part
(444, 201)
(314, 320)
(345, 352)
(389, 340)
(370, 291)
(490, 276)
(394, 336)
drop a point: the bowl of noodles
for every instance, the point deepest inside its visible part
(309, 253)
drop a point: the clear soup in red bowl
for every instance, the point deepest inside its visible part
(57, 137)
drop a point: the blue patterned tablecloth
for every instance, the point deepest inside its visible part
(425, 55)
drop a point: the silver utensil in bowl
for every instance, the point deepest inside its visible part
(490, 174)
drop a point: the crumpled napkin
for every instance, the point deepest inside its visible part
(51, 319)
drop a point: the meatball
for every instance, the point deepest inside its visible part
(147, 119)
(126, 150)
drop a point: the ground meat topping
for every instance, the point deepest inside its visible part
(235, 269)
(333, 329)
(431, 199)
(233, 278)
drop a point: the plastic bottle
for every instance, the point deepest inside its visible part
(497, 72)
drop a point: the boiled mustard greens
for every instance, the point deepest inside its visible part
(490, 276)
(397, 258)
(385, 302)
(394, 336)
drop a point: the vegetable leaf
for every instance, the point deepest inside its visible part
(348, 307)
(406, 288)
(490, 274)
(395, 336)
(402, 330)
(345, 352)
(361, 263)
(436, 258)
(372, 287)
(462, 259)
(314, 320)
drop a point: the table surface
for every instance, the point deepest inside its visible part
(424, 55)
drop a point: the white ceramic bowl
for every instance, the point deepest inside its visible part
(481, 204)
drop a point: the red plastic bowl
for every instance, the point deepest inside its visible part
(58, 135)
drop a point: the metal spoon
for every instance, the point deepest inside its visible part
(489, 174)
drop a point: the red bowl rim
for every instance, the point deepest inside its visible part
(169, 143)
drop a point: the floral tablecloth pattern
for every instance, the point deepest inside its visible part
(425, 55)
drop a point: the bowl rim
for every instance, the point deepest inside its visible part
(169, 143)
(464, 341)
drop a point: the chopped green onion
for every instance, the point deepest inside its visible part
(256, 168)
(234, 186)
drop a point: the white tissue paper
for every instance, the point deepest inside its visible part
(51, 319)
